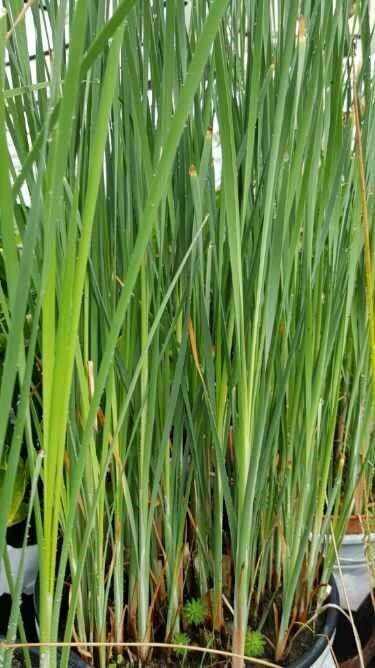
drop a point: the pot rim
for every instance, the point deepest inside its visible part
(357, 538)
(359, 523)
(328, 630)
(21, 548)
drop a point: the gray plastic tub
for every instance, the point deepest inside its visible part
(357, 559)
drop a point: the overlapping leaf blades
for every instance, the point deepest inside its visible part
(198, 347)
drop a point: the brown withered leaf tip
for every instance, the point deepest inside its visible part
(301, 29)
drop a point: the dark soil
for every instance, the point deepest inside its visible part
(202, 637)
(159, 658)
(344, 647)
(299, 646)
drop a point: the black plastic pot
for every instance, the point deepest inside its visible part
(75, 660)
(14, 539)
(27, 614)
(308, 659)
(345, 646)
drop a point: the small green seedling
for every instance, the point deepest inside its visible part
(181, 639)
(254, 643)
(195, 611)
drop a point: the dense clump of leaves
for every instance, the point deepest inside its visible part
(255, 643)
(195, 611)
(181, 639)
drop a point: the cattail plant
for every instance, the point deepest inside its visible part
(202, 340)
